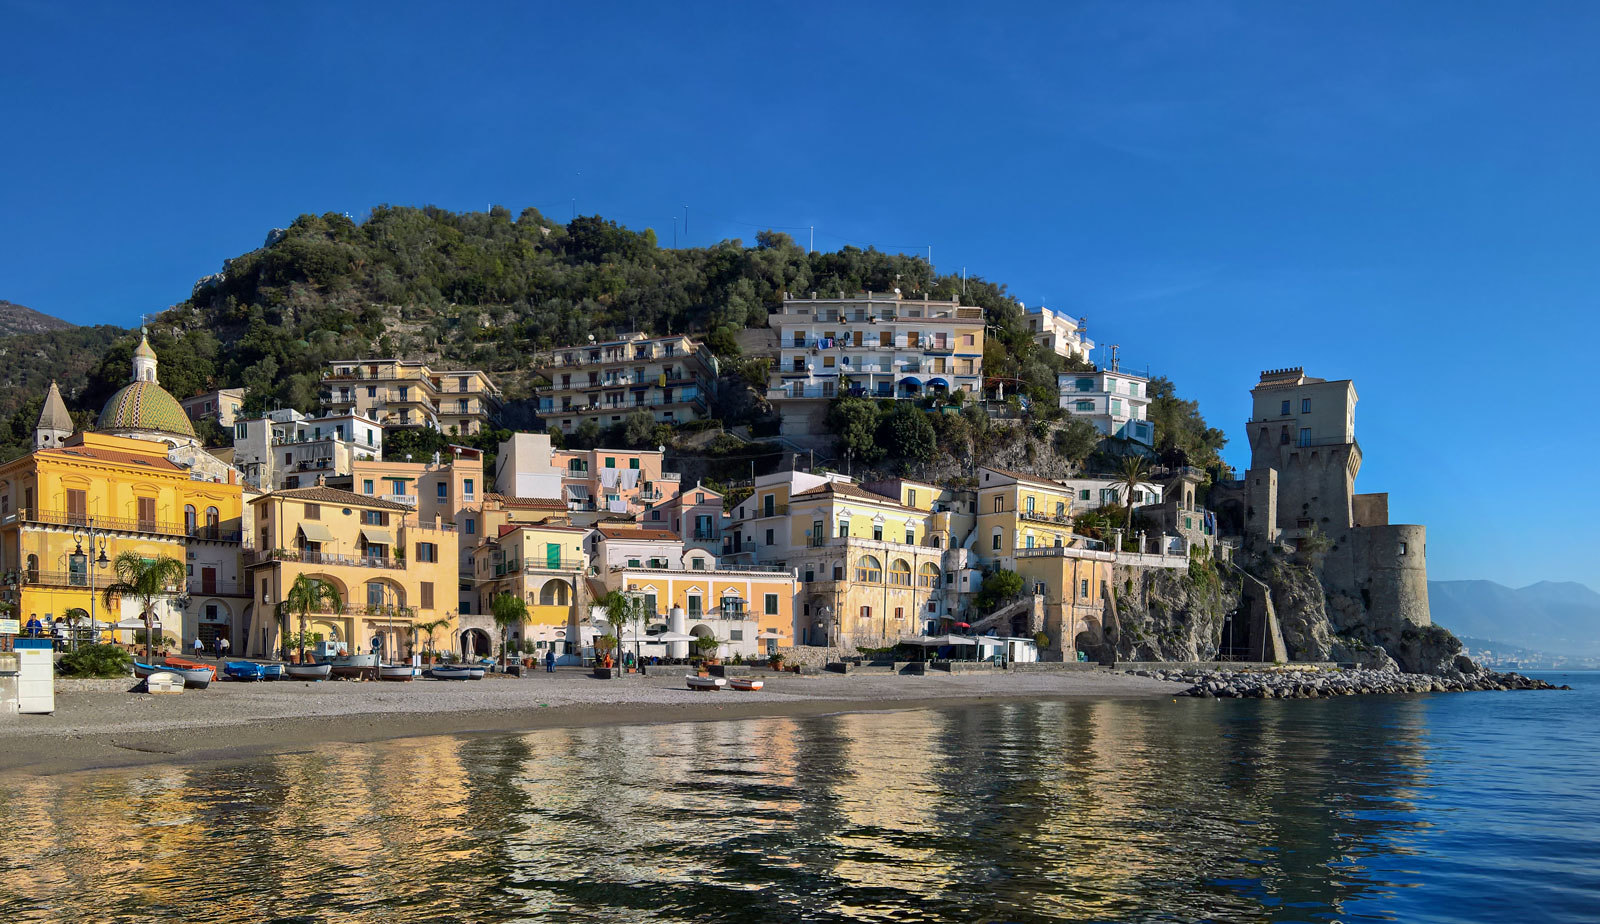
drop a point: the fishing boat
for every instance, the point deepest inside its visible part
(745, 684)
(184, 664)
(163, 682)
(271, 671)
(242, 670)
(395, 672)
(476, 671)
(308, 671)
(356, 665)
(451, 672)
(192, 678)
(711, 684)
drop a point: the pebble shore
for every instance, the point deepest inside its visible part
(1318, 684)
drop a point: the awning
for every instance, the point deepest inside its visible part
(911, 380)
(938, 383)
(134, 622)
(316, 532)
(376, 536)
(578, 492)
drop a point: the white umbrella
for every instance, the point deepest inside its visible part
(138, 624)
(913, 640)
(771, 634)
(949, 640)
(671, 637)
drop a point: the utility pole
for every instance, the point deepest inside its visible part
(686, 224)
(812, 246)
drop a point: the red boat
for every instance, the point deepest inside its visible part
(189, 665)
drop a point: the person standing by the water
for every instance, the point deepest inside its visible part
(216, 646)
(34, 626)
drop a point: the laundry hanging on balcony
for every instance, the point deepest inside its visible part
(608, 477)
(630, 478)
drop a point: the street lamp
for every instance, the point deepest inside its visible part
(80, 562)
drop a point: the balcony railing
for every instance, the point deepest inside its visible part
(1040, 516)
(121, 524)
(325, 558)
(529, 566)
(202, 587)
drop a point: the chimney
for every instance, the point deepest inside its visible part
(322, 481)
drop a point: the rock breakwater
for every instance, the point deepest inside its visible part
(1319, 684)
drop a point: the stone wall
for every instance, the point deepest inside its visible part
(1161, 614)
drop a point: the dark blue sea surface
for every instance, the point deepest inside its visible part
(1443, 808)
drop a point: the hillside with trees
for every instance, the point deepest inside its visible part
(488, 289)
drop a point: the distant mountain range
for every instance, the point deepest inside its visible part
(1550, 616)
(20, 319)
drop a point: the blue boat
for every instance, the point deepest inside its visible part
(242, 670)
(271, 671)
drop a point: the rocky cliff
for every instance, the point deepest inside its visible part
(1161, 614)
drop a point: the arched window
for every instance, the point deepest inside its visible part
(188, 519)
(33, 569)
(900, 573)
(929, 576)
(213, 523)
(555, 593)
(869, 570)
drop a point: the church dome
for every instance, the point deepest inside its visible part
(145, 406)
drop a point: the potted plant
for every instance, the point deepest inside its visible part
(775, 660)
(707, 647)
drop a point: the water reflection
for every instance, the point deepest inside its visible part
(1022, 812)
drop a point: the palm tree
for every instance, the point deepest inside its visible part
(1135, 471)
(148, 579)
(508, 610)
(306, 595)
(622, 609)
(428, 628)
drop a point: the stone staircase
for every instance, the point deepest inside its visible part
(1002, 619)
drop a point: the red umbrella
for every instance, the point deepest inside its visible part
(963, 625)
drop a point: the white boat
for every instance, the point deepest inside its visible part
(195, 678)
(164, 682)
(451, 672)
(704, 683)
(356, 665)
(308, 671)
(745, 684)
(475, 671)
(395, 672)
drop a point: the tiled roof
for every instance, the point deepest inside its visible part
(326, 495)
(513, 527)
(849, 490)
(634, 533)
(114, 455)
(145, 406)
(529, 503)
(1036, 479)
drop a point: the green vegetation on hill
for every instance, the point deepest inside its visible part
(487, 289)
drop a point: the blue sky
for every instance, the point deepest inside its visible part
(1402, 194)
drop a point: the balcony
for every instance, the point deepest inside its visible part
(200, 587)
(120, 524)
(531, 566)
(707, 535)
(1039, 516)
(299, 556)
(410, 500)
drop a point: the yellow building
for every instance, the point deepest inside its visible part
(750, 610)
(545, 566)
(1073, 581)
(408, 393)
(390, 572)
(870, 567)
(1016, 512)
(93, 494)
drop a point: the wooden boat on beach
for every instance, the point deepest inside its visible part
(242, 670)
(356, 665)
(476, 671)
(194, 679)
(451, 672)
(395, 672)
(711, 684)
(745, 684)
(184, 664)
(308, 671)
(164, 682)
(271, 671)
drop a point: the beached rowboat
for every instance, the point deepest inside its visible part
(476, 671)
(164, 682)
(194, 679)
(271, 671)
(308, 671)
(242, 670)
(451, 672)
(745, 684)
(395, 672)
(712, 684)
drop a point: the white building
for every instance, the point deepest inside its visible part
(524, 467)
(876, 345)
(1089, 493)
(1115, 402)
(1060, 333)
(287, 449)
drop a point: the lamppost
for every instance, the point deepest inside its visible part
(80, 562)
(636, 616)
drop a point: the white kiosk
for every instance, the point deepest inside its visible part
(36, 676)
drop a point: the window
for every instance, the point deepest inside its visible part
(633, 562)
(1083, 588)
(372, 391)
(877, 531)
(1402, 548)
(1283, 410)
(470, 526)
(999, 503)
(911, 536)
(467, 489)
(1084, 494)
(366, 486)
(869, 570)
(1305, 436)
(240, 431)
(769, 537)
(1028, 501)
(1028, 541)
(188, 514)
(844, 528)
(900, 573)
(697, 563)
(769, 504)
(611, 461)
(374, 518)
(866, 612)
(1061, 509)
(1283, 436)
(810, 575)
(693, 609)
(911, 497)
(1116, 406)
(313, 511)
(427, 594)
(699, 498)
(994, 541)
(427, 551)
(147, 514)
(1085, 405)
(1305, 405)
(929, 576)
(770, 604)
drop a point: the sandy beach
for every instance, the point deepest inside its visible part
(113, 727)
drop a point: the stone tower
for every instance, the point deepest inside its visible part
(55, 424)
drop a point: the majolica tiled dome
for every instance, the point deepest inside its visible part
(145, 406)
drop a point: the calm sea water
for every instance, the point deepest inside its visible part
(1469, 807)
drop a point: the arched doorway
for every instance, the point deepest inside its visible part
(476, 643)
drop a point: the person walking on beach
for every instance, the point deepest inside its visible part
(227, 646)
(199, 647)
(216, 646)
(550, 660)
